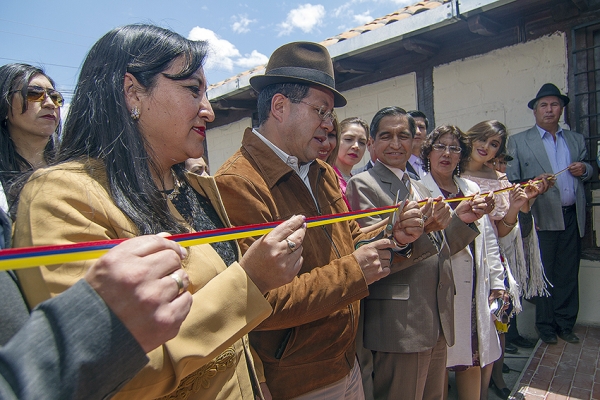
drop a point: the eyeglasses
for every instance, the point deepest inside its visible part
(39, 94)
(443, 147)
(324, 115)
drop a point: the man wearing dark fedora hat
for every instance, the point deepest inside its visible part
(544, 151)
(307, 345)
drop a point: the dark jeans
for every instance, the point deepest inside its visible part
(561, 253)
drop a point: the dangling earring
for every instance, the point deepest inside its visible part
(428, 165)
(458, 170)
(135, 113)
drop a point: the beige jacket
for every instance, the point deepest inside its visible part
(70, 203)
(408, 310)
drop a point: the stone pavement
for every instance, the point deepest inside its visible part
(553, 372)
(563, 371)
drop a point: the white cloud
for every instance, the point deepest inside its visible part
(306, 17)
(252, 60)
(341, 10)
(363, 18)
(240, 24)
(223, 55)
(221, 51)
(346, 13)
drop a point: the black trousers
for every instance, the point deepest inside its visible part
(561, 253)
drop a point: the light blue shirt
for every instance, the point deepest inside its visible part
(560, 158)
(417, 164)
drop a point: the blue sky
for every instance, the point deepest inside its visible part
(58, 35)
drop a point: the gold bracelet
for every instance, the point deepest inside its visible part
(506, 224)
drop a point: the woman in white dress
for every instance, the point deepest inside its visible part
(477, 269)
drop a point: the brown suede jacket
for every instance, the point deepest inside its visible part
(308, 341)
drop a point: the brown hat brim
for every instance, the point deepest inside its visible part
(260, 82)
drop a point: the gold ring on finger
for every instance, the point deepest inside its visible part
(179, 281)
(292, 246)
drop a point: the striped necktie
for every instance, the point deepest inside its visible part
(436, 237)
(406, 182)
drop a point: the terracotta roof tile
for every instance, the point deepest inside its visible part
(398, 17)
(377, 23)
(348, 35)
(329, 41)
(417, 8)
(433, 4)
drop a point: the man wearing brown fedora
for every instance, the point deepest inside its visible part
(559, 213)
(307, 345)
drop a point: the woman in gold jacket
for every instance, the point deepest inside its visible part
(139, 111)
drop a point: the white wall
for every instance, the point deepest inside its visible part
(589, 296)
(499, 84)
(223, 141)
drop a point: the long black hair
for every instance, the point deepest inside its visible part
(16, 77)
(99, 124)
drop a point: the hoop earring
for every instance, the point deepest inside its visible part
(135, 113)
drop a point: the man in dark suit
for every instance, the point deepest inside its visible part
(409, 315)
(559, 214)
(415, 164)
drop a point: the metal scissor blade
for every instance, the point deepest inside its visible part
(389, 228)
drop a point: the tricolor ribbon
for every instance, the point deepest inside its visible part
(27, 257)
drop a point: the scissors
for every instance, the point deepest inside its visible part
(388, 231)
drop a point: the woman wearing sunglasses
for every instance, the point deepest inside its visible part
(138, 113)
(29, 123)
